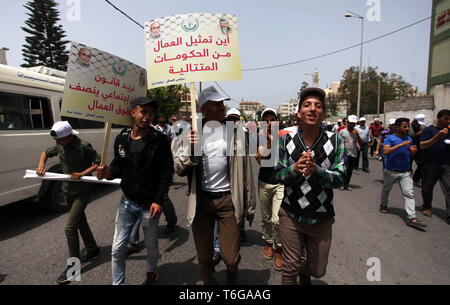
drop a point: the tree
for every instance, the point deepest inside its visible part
(45, 45)
(332, 102)
(392, 87)
(168, 98)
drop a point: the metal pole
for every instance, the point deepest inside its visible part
(378, 102)
(360, 68)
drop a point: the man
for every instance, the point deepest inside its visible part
(155, 30)
(398, 150)
(335, 127)
(221, 188)
(363, 132)
(142, 158)
(224, 26)
(84, 57)
(351, 140)
(311, 162)
(417, 126)
(344, 124)
(375, 130)
(435, 141)
(388, 131)
(77, 159)
(271, 193)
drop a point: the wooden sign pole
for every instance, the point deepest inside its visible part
(105, 143)
(193, 106)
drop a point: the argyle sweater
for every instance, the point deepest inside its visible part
(310, 199)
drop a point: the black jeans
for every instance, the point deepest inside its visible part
(350, 165)
(431, 174)
(365, 158)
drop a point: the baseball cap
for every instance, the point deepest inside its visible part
(362, 119)
(310, 91)
(391, 121)
(141, 101)
(339, 121)
(62, 129)
(233, 111)
(376, 119)
(267, 110)
(420, 118)
(210, 94)
(352, 119)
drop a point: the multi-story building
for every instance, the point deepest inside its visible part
(249, 109)
(287, 109)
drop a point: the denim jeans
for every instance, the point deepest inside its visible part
(406, 185)
(126, 217)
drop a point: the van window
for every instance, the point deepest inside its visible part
(18, 111)
(81, 123)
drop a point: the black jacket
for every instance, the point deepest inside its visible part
(147, 174)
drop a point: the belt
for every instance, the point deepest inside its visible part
(216, 195)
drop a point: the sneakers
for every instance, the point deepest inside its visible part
(152, 278)
(64, 278)
(268, 251)
(278, 260)
(90, 255)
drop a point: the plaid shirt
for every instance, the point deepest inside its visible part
(310, 199)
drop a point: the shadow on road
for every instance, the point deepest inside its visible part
(181, 235)
(3, 277)
(22, 216)
(253, 238)
(105, 257)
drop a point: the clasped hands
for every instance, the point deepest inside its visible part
(306, 165)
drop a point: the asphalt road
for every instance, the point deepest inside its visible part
(33, 247)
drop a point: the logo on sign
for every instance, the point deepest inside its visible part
(190, 24)
(119, 68)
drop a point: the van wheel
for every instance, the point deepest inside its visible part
(54, 200)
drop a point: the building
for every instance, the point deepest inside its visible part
(439, 59)
(250, 109)
(287, 109)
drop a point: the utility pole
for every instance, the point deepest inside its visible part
(379, 97)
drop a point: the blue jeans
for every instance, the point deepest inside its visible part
(127, 215)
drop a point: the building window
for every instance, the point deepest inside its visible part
(19, 111)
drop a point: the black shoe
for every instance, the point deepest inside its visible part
(152, 278)
(305, 280)
(132, 249)
(366, 170)
(63, 278)
(170, 229)
(232, 277)
(90, 255)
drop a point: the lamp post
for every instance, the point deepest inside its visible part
(349, 15)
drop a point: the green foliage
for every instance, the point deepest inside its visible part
(168, 98)
(392, 87)
(45, 44)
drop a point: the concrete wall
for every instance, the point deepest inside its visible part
(409, 108)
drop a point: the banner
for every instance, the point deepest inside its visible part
(192, 48)
(100, 86)
(31, 174)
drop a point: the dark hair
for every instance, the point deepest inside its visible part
(443, 112)
(399, 121)
(315, 94)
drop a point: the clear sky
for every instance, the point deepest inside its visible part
(270, 33)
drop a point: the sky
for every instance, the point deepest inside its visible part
(270, 33)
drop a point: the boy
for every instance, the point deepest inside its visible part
(78, 159)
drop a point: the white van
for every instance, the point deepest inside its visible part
(30, 102)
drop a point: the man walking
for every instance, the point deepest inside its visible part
(435, 141)
(221, 189)
(398, 150)
(375, 130)
(363, 132)
(352, 141)
(142, 158)
(311, 162)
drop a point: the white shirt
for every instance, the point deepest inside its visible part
(214, 164)
(363, 133)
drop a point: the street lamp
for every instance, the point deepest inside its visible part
(349, 15)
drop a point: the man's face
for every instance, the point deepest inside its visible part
(376, 123)
(65, 141)
(184, 118)
(403, 128)
(162, 120)
(443, 121)
(270, 118)
(142, 115)
(154, 28)
(350, 126)
(223, 24)
(84, 55)
(362, 123)
(214, 111)
(311, 111)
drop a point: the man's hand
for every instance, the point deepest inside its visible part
(40, 170)
(103, 172)
(443, 132)
(155, 210)
(77, 176)
(306, 165)
(406, 143)
(194, 139)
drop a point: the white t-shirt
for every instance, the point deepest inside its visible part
(214, 164)
(363, 133)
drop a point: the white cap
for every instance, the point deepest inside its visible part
(420, 118)
(328, 123)
(233, 111)
(339, 121)
(376, 119)
(62, 129)
(362, 119)
(268, 110)
(352, 119)
(391, 121)
(210, 94)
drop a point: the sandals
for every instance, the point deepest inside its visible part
(427, 213)
(384, 209)
(416, 224)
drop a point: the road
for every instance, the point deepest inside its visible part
(33, 247)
